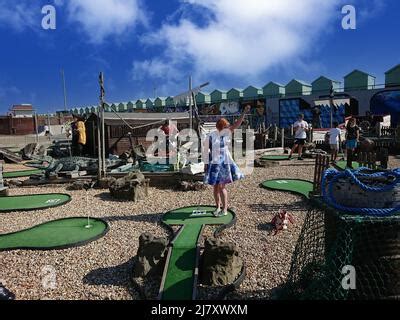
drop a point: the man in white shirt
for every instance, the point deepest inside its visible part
(301, 128)
(335, 140)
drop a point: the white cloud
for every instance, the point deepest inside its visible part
(244, 37)
(101, 19)
(155, 68)
(19, 16)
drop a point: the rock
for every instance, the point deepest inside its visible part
(191, 186)
(221, 264)
(133, 187)
(78, 185)
(29, 150)
(5, 294)
(258, 163)
(151, 256)
(105, 183)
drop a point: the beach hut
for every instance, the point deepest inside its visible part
(218, 96)
(274, 89)
(392, 77)
(323, 85)
(234, 94)
(358, 80)
(298, 88)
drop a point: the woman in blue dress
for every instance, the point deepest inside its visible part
(221, 168)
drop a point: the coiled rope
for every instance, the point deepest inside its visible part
(334, 175)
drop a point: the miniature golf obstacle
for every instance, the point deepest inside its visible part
(331, 243)
(363, 191)
(33, 202)
(301, 187)
(180, 275)
(55, 235)
(345, 228)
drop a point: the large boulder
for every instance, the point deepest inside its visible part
(132, 187)
(221, 264)
(151, 256)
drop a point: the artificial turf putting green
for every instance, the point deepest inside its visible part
(57, 234)
(33, 202)
(342, 165)
(180, 278)
(275, 157)
(292, 185)
(20, 174)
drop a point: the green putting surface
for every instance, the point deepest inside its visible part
(297, 186)
(20, 174)
(33, 202)
(342, 165)
(180, 278)
(58, 234)
(275, 157)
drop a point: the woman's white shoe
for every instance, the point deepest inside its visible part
(217, 212)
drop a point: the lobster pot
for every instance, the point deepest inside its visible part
(349, 194)
(372, 246)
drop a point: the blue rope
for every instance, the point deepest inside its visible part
(335, 175)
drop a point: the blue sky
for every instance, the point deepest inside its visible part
(143, 45)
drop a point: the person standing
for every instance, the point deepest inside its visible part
(352, 140)
(221, 169)
(78, 135)
(335, 141)
(301, 128)
(47, 131)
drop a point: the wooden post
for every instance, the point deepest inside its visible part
(283, 138)
(103, 131)
(3, 189)
(321, 164)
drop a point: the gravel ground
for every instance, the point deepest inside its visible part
(102, 269)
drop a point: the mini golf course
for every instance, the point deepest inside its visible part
(33, 202)
(342, 165)
(180, 273)
(275, 157)
(20, 174)
(57, 234)
(301, 187)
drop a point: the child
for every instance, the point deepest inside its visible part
(335, 141)
(301, 128)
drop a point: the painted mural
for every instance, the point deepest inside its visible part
(387, 102)
(318, 115)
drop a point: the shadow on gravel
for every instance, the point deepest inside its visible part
(298, 206)
(119, 276)
(276, 293)
(150, 217)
